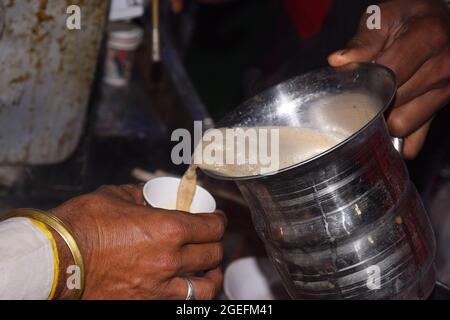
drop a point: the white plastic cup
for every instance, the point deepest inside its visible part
(123, 40)
(244, 279)
(162, 193)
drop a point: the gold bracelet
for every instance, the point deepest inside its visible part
(61, 228)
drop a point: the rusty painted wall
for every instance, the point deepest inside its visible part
(46, 72)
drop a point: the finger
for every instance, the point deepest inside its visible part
(434, 74)
(182, 228)
(204, 228)
(200, 257)
(135, 192)
(177, 6)
(206, 287)
(417, 42)
(404, 120)
(414, 142)
(364, 46)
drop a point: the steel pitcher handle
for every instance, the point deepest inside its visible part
(398, 144)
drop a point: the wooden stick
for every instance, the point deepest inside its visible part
(156, 49)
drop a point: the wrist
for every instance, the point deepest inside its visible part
(65, 260)
(64, 288)
(58, 233)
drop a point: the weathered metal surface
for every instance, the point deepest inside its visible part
(46, 76)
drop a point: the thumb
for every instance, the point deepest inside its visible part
(177, 6)
(364, 47)
(358, 50)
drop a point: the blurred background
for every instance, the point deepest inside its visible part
(83, 108)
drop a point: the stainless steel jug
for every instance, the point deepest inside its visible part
(348, 223)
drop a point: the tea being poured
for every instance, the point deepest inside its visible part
(186, 190)
(295, 145)
(292, 145)
(348, 223)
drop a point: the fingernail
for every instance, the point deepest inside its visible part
(340, 52)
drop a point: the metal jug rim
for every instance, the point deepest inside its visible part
(353, 65)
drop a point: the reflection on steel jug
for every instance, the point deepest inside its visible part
(348, 223)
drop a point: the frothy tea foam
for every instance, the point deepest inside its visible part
(295, 145)
(339, 116)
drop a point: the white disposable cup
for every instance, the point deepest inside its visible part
(162, 193)
(244, 280)
(123, 40)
